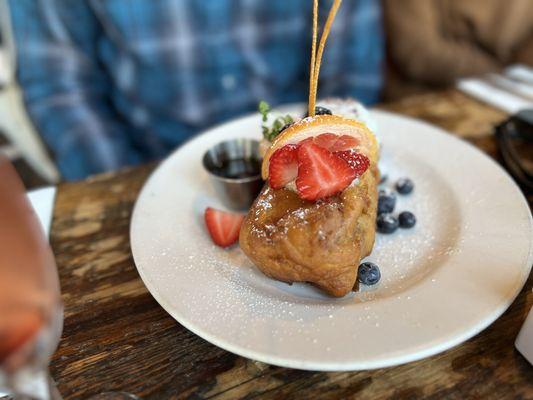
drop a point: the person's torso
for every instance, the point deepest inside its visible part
(179, 66)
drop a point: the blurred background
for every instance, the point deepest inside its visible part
(90, 86)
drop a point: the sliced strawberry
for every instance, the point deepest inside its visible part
(332, 142)
(283, 166)
(224, 227)
(321, 173)
(326, 140)
(308, 140)
(359, 162)
(343, 143)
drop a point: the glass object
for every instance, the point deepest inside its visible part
(31, 312)
(30, 302)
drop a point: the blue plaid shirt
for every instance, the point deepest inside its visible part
(110, 83)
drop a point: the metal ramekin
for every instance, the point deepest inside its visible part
(235, 193)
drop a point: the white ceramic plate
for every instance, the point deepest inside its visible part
(442, 282)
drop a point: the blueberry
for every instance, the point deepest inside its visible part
(368, 273)
(383, 178)
(405, 186)
(407, 219)
(320, 111)
(386, 201)
(387, 223)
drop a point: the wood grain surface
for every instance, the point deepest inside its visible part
(116, 337)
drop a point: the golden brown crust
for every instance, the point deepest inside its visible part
(293, 240)
(321, 242)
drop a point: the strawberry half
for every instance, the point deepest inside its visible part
(224, 227)
(357, 161)
(283, 166)
(321, 173)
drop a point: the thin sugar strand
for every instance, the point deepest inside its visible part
(316, 69)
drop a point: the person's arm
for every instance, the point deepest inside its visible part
(65, 91)
(422, 52)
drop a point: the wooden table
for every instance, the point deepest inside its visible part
(116, 337)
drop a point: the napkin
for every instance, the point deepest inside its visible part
(524, 341)
(496, 97)
(42, 201)
(521, 73)
(510, 91)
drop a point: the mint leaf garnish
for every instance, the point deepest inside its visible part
(270, 132)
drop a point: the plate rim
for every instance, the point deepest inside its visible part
(390, 361)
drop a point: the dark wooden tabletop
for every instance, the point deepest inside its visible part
(116, 337)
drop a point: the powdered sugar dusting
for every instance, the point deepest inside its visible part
(405, 259)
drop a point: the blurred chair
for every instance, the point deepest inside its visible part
(15, 123)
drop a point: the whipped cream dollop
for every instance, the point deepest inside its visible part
(350, 108)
